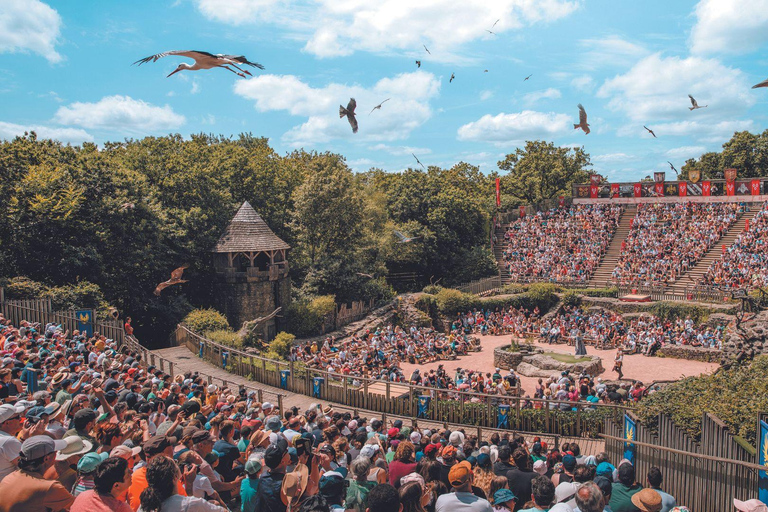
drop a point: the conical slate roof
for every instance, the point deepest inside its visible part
(247, 232)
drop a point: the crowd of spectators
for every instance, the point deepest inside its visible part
(377, 354)
(643, 333)
(561, 244)
(745, 262)
(667, 239)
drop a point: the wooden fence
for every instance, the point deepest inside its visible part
(469, 409)
(483, 286)
(705, 475)
(697, 294)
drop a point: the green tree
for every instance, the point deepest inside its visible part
(543, 171)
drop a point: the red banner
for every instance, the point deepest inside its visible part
(638, 190)
(730, 188)
(706, 188)
(614, 190)
(498, 192)
(522, 211)
(594, 179)
(593, 189)
(561, 202)
(746, 225)
(730, 174)
(682, 189)
(659, 188)
(723, 249)
(755, 186)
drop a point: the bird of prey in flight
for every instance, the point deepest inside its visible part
(425, 47)
(650, 131)
(350, 113)
(404, 239)
(764, 83)
(526, 78)
(175, 279)
(582, 120)
(378, 106)
(418, 161)
(418, 63)
(453, 75)
(673, 168)
(694, 103)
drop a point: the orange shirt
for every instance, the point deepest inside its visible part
(30, 492)
(139, 483)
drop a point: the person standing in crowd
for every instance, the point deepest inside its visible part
(112, 479)
(161, 494)
(624, 489)
(462, 499)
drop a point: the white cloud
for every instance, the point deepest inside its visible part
(685, 152)
(525, 125)
(612, 158)
(706, 131)
(729, 26)
(486, 95)
(583, 83)
(121, 113)
(340, 27)
(407, 109)
(657, 87)
(195, 87)
(547, 94)
(71, 135)
(608, 51)
(29, 25)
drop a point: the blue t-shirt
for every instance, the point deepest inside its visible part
(248, 489)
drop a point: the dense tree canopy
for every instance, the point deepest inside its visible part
(745, 151)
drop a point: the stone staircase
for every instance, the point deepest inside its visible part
(611, 257)
(498, 250)
(694, 275)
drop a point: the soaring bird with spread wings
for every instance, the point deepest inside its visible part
(404, 239)
(378, 107)
(205, 60)
(695, 104)
(425, 47)
(350, 113)
(175, 279)
(453, 75)
(582, 120)
(418, 63)
(673, 168)
(417, 160)
(650, 131)
(764, 83)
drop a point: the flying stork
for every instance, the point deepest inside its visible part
(205, 60)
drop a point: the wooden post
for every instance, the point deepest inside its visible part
(578, 420)
(290, 368)
(280, 403)
(260, 395)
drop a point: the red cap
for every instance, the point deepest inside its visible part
(393, 432)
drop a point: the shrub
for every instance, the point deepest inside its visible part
(450, 301)
(306, 317)
(735, 396)
(674, 310)
(601, 292)
(225, 337)
(571, 299)
(205, 320)
(19, 288)
(281, 345)
(379, 290)
(432, 289)
(542, 295)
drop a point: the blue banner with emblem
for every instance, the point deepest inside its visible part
(502, 417)
(284, 378)
(224, 358)
(423, 406)
(630, 431)
(202, 346)
(84, 319)
(762, 453)
(317, 386)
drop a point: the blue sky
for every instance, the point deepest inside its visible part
(65, 71)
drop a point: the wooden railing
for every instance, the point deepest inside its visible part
(581, 419)
(482, 286)
(697, 294)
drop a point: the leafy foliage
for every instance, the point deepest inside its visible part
(571, 299)
(225, 337)
(205, 320)
(673, 310)
(281, 345)
(745, 151)
(735, 396)
(306, 317)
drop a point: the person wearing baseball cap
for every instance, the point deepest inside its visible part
(277, 459)
(11, 422)
(460, 477)
(750, 506)
(26, 488)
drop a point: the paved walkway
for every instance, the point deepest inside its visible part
(185, 361)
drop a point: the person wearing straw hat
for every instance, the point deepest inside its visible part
(67, 459)
(647, 500)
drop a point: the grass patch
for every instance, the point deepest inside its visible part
(566, 358)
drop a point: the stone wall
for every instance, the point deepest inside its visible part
(540, 365)
(242, 299)
(504, 359)
(619, 306)
(707, 355)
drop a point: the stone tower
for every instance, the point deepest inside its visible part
(251, 271)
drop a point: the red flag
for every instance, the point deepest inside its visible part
(723, 248)
(498, 192)
(594, 179)
(614, 190)
(755, 185)
(730, 188)
(593, 191)
(638, 190)
(659, 188)
(561, 202)
(522, 211)
(746, 225)
(706, 187)
(682, 189)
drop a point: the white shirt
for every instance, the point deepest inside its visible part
(10, 447)
(201, 486)
(178, 503)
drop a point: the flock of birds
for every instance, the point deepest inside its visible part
(236, 64)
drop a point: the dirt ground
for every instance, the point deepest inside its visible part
(636, 367)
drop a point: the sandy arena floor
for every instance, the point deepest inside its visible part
(639, 367)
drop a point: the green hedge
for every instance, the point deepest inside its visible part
(306, 317)
(674, 310)
(225, 337)
(448, 302)
(571, 299)
(735, 396)
(202, 321)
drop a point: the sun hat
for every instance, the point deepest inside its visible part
(503, 496)
(750, 505)
(125, 452)
(540, 467)
(647, 500)
(291, 489)
(369, 450)
(273, 423)
(75, 446)
(91, 461)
